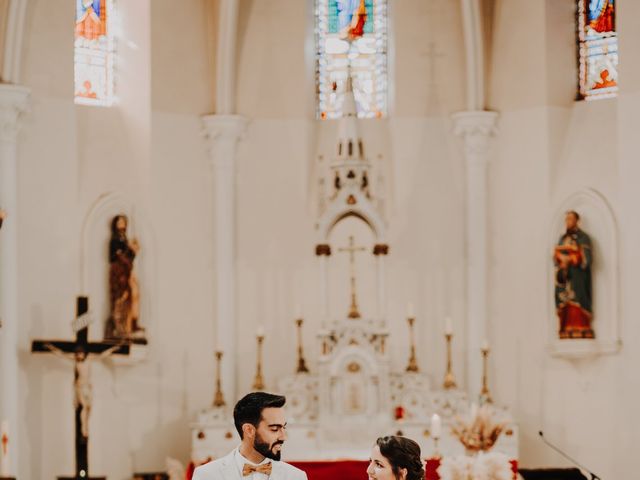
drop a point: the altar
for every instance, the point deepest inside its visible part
(355, 395)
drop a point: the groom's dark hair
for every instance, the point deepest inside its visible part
(249, 408)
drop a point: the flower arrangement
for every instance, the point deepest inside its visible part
(481, 432)
(484, 466)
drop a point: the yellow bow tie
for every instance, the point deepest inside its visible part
(248, 469)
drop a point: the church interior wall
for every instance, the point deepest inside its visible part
(416, 148)
(547, 147)
(149, 148)
(4, 15)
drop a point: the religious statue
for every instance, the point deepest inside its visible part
(123, 284)
(573, 257)
(82, 388)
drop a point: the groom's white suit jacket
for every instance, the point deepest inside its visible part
(225, 468)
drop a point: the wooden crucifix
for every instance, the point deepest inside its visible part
(78, 351)
(352, 250)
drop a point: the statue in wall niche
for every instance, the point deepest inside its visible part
(124, 293)
(572, 257)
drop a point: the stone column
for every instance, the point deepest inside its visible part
(223, 133)
(13, 102)
(476, 129)
(226, 57)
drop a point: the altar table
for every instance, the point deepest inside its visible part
(356, 469)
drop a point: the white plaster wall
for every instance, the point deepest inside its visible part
(277, 198)
(548, 148)
(151, 151)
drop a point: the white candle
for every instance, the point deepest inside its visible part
(4, 454)
(436, 426)
(410, 311)
(448, 326)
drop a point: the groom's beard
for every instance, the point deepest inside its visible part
(266, 450)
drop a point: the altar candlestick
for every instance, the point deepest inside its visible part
(258, 382)
(218, 400)
(449, 379)
(302, 364)
(413, 361)
(485, 396)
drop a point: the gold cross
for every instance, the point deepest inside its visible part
(352, 249)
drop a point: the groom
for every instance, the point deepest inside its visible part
(259, 419)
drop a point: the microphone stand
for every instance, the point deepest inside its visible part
(593, 475)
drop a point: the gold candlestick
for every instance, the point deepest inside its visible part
(258, 382)
(449, 379)
(302, 365)
(413, 362)
(485, 396)
(218, 399)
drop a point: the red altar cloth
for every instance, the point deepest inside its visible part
(357, 469)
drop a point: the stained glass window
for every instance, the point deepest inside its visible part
(351, 36)
(598, 49)
(94, 51)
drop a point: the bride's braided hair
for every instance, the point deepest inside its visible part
(402, 452)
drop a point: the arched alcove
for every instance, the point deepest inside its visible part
(94, 264)
(598, 221)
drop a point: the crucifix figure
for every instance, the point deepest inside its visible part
(352, 249)
(78, 351)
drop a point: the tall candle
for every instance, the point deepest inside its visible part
(448, 327)
(4, 449)
(410, 311)
(436, 426)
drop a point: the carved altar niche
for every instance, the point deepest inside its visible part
(94, 265)
(598, 221)
(352, 241)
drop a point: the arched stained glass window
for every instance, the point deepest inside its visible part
(351, 38)
(94, 51)
(598, 49)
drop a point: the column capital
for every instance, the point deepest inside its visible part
(222, 133)
(225, 126)
(475, 128)
(14, 100)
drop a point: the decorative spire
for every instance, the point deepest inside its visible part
(350, 146)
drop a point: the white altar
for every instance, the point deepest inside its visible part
(354, 396)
